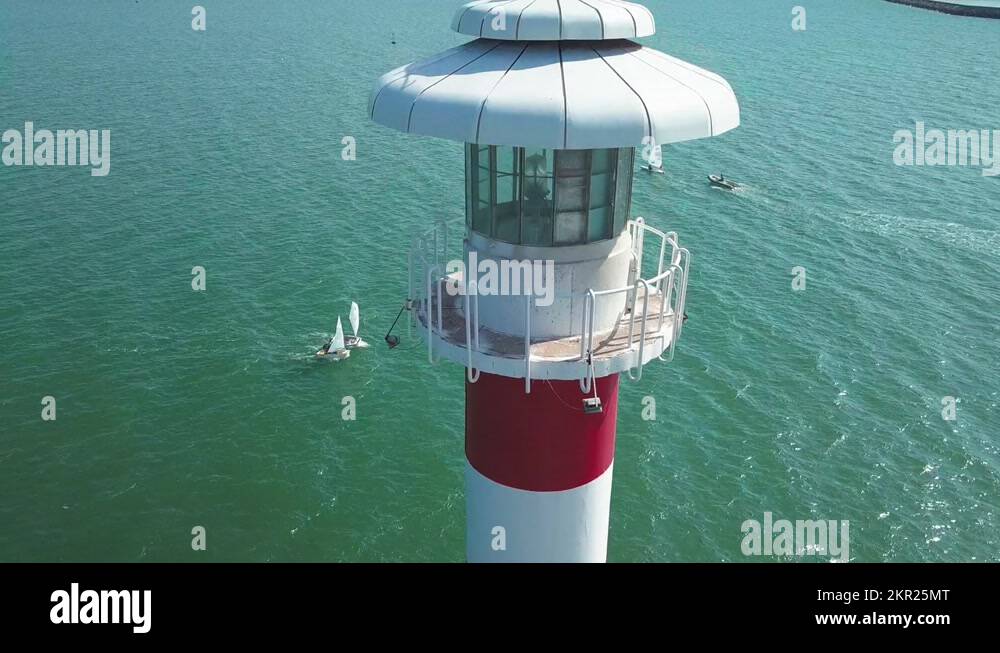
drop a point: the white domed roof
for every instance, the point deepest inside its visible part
(554, 20)
(559, 95)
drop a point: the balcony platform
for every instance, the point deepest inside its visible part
(556, 359)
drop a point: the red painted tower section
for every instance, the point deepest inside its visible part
(543, 441)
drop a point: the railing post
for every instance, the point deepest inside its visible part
(631, 320)
(410, 297)
(472, 374)
(677, 275)
(659, 266)
(440, 304)
(667, 295)
(527, 344)
(475, 302)
(587, 336)
(641, 247)
(642, 330)
(429, 310)
(682, 301)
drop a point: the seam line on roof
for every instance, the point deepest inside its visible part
(599, 17)
(690, 68)
(559, 7)
(482, 26)
(562, 71)
(468, 7)
(432, 60)
(711, 121)
(646, 9)
(649, 120)
(517, 28)
(635, 25)
(409, 121)
(479, 121)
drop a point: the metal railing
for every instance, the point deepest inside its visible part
(675, 275)
(427, 255)
(430, 250)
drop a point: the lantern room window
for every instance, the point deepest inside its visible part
(535, 196)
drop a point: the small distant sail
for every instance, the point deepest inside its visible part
(355, 318)
(654, 156)
(338, 338)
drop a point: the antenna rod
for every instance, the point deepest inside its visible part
(392, 340)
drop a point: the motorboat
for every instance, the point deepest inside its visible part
(721, 182)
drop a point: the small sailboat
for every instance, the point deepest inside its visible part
(654, 160)
(354, 341)
(335, 349)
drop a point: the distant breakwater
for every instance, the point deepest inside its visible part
(949, 8)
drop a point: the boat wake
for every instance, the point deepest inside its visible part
(978, 241)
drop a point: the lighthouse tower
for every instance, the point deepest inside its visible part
(560, 292)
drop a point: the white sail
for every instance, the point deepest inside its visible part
(654, 156)
(338, 338)
(355, 318)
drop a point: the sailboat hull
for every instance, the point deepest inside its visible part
(334, 356)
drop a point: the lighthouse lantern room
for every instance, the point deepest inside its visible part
(554, 104)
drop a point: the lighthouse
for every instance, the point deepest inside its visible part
(560, 294)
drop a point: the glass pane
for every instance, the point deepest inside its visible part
(572, 163)
(599, 224)
(536, 194)
(507, 223)
(506, 159)
(571, 193)
(481, 218)
(538, 162)
(623, 191)
(601, 194)
(571, 228)
(601, 161)
(600, 190)
(506, 189)
(507, 215)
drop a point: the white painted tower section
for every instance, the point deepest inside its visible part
(575, 520)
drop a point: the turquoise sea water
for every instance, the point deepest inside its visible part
(178, 409)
